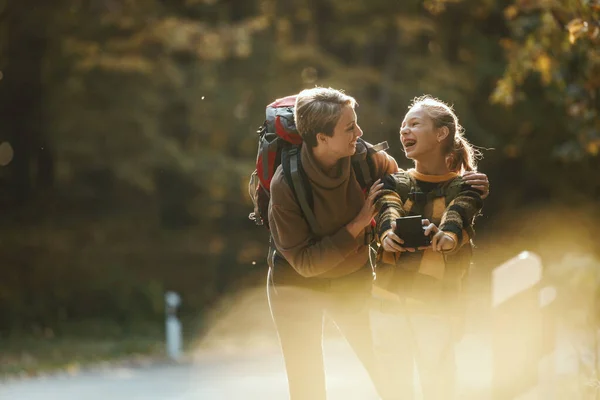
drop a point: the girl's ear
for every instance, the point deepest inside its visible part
(442, 133)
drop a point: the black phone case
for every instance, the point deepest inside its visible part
(410, 229)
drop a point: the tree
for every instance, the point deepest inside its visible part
(554, 46)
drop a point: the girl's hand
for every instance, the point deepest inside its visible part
(392, 242)
(440, 241)
(478, 181)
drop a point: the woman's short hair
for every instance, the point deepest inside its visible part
(318, 110)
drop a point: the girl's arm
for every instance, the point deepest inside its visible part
(458, 219)
(389, 207)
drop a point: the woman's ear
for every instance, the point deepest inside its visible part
(321, 138)
(442, 133)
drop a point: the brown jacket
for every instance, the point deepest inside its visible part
(332, 252)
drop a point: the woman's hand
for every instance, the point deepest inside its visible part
(440, 241)
(367, 212)
(478, 181)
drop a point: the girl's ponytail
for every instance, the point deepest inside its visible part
(462, 156)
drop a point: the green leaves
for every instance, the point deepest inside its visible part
(558, 43)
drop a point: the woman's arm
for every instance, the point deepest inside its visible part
(307, 255)
(293, 238)
(479, 181)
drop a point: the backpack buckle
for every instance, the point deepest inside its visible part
(417, 197)
(262, 129)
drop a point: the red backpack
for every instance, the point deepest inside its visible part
(279, 144)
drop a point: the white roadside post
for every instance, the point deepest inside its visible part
(173, 326)
(523, 332)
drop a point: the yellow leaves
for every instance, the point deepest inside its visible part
(595, 33)
(543, 64)
(211, 47)
(575, 110)
(80, 47)
(117, 63)
(412, 28)
(169, 35)
(414, 25)
(504, 93)
(577, 28)
(434, 47)
(593, 141)
(283, 28)
(91, 55)
(242, 43)
(259, 23)
(593, 148)
(113, 56)
(511, 12)
(436, 7)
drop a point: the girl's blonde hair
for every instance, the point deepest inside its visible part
(460, 154)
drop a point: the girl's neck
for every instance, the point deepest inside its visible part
(435, 166)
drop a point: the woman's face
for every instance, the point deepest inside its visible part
(418, 134)
(345, 134)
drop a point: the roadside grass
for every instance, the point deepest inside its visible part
(79, 345)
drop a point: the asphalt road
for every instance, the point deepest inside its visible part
(252, 374)
(234, 364)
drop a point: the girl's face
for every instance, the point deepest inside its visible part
(418, 135)
(345, 134)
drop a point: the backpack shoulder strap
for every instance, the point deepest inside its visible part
(404, 185)
(362, 161)
(375, 148)
(296, 179)
(452, 189)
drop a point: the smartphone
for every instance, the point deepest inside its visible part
(411, 230)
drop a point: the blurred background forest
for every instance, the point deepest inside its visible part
(128, 135)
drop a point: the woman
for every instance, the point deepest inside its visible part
(419, 289)
(327, 271)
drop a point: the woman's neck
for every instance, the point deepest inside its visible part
(326, 162)
(435, 166)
